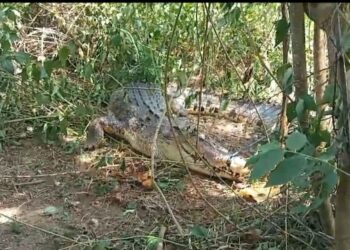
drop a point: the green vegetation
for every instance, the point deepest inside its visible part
(60, 62)
(86, 50)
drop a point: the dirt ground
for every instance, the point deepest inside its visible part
(58, 200)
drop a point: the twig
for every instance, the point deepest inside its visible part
(179, 228)
(154, 142)
(40, 229)
(122, 239)
(161, 236)
(175, 136)
(30, 118)
(238, 75)
(203, 73)
(153, 151)
(29, 183)
(40, 175)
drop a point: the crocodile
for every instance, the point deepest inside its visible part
(186, 102)
(137, 111)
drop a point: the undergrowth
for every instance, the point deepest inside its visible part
(60, 62)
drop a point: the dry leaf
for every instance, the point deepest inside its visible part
(146, 179)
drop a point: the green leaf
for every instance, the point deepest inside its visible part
(296, 141)
(7, 65)
(253, 159)
(5, 44)
(329, 183)
(13, 37)
(153, 242)
(345, 41)
(43, 99)
(309, 102)
(329, 155)
(323, 167)
(50, 65)
(81, 110)
(269, 146)
(286, 170)
(266, 162)
(309, 149)
(330, 178)
(116, 40)
(88, 70)
(52, 132)
(24, 75)
(11, 16)
(329, 95)
(302, 182)
(235, 14)
(101, 245)
(105, 161)
(282, 70)
(300, 108)
(182, 78)
(291, 111)
(320, 136)
(63, 126)
(224, 104)
(287, 81)
(36, 72)
(72, 47)
(22, 58)
(315, 203)
(51, 210)
(16, 228)
(157, 34)
(232, 16)
(16, 13)
(63, 54)
(3, 13)
(227, 6)
(43, 73)
(199, 231)
(2, 133)
(189, 99)
(123, 165)
(282, 27)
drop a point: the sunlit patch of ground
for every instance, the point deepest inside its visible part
(58, 202)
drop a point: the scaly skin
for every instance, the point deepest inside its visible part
(134, 114)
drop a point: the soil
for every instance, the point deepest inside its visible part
(60, 197)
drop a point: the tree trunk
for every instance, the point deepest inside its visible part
(297, 29)
(320, 78)
(328, 18)
(285, 48)
(320, 63)
(342, 205)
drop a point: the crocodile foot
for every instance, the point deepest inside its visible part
(95, 134)
(90, 146)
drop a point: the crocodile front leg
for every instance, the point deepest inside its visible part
(95, 133)
(100, 126)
